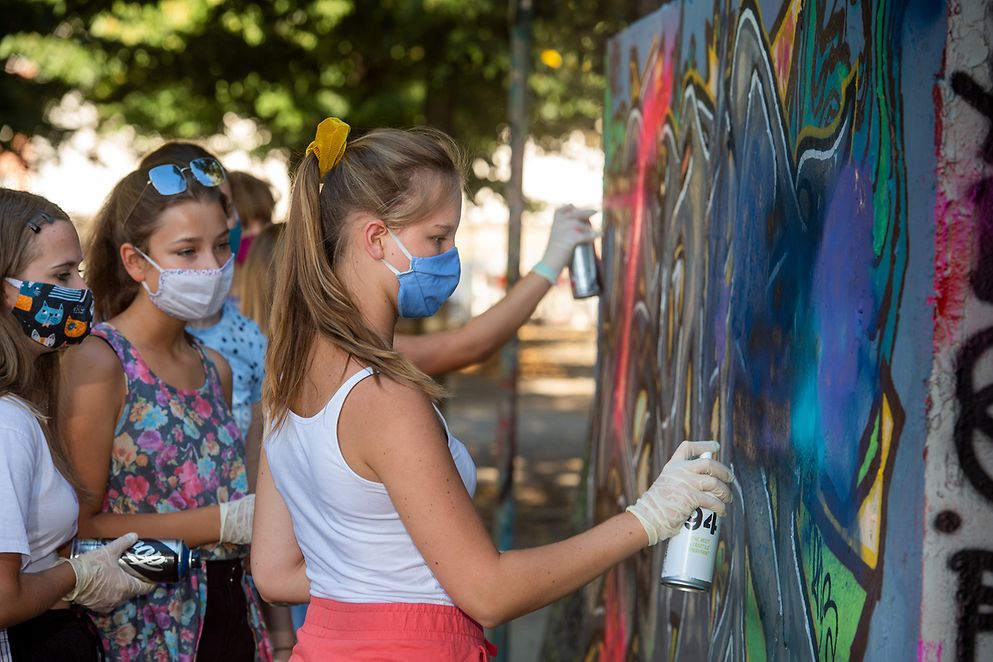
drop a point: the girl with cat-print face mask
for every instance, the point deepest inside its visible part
(148, 417)
(45, 308)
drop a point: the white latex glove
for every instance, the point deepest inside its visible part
(236, 520)
(101, 583)
(684, 485)
(570, 227)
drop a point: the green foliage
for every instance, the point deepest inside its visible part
(176, 67)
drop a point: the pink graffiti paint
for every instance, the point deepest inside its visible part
(656, 104)
(929, 651)
(953, 238)
(615, 634)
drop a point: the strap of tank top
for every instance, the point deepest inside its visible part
(117, 342)
(210, 373)
(337, 400)
(441, 417)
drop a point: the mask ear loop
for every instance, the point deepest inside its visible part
(403, 249)
(150, 260)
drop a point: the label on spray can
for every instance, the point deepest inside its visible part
(689, 559)
(584, 274)
(149, 559)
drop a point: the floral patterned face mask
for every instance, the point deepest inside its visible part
(53, 316)
(191, 294)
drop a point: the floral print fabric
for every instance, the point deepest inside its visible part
(173, 450)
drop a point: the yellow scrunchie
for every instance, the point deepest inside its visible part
(329, 145)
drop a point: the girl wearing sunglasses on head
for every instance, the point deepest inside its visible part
(231, 334)
(45, 307)
(364, 496)
(226, 331)
(148, 419)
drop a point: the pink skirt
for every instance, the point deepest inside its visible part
(391, 631)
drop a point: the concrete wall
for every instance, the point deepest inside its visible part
(799, 262)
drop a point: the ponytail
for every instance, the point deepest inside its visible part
(382, 173)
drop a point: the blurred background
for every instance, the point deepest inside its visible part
(88, 88)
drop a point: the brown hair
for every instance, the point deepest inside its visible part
(130, 215)
(397, 176)
(258, 275)
(252, 197)
(175, 152)
(34, 380)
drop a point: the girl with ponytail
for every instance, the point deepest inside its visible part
(364, 502)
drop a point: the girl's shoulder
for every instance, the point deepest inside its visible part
(17, 413)
(100, 355)
(20, 431)
(382, 404)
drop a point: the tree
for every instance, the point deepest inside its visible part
(177, 67)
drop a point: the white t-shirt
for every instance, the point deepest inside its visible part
(38, 507)
(352, 538)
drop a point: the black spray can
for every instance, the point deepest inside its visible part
(584, 272)
(149, 559)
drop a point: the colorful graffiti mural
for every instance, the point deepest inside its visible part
(770, 201)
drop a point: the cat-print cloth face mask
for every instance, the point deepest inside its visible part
(53, 316)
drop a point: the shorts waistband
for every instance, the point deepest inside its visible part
(398, 618)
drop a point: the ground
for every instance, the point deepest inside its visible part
(554, 404)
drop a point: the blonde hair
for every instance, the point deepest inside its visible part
(33, 380)
(398, 176)
(258, 273)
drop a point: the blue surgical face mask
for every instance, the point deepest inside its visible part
(427, 283)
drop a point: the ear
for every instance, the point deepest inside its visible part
(9, 295)
(134, 263)
(374, 233)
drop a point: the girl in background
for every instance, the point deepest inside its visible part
(45, 308)
(148, 420)
(259, 275)
(255, 203)
(367, 508)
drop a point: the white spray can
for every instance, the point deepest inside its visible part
(689, 559)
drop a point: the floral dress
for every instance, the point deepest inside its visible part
(174, 449)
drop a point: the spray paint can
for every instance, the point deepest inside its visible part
(149, 559)
(689, 559)
(584, 272)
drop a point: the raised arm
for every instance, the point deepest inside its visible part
(445, 351)
(93, 392)
(408, 453)
(278, 568)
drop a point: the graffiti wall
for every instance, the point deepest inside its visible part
(798, 261)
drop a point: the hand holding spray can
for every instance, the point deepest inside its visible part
(689, 559)
(584, 271)
(148, 559)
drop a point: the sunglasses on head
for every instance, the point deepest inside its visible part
(171, 179)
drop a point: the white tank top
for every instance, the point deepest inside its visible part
(351, 536)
